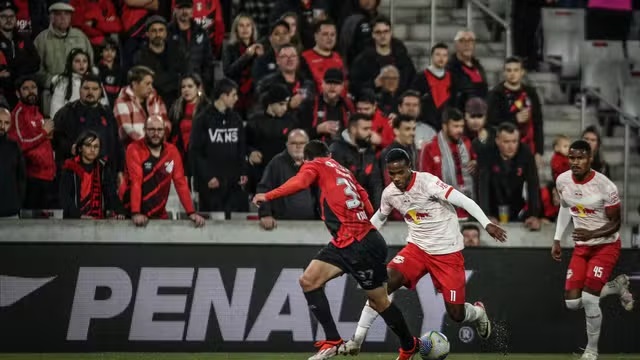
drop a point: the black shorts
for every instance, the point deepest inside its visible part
(365, 260)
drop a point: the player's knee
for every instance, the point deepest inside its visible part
(308, 284)
(379, 304)
(590, 301)
(573, 304)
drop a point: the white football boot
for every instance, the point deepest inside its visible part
(483, 324)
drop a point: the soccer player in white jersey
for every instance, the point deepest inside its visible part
(590, 201)
(434, 243)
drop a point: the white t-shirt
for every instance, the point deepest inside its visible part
(587, 201)
(432, 220)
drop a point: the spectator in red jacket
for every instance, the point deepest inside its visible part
(450, 157)
(152, 164)
(33, 133)
(96, 18)
(560, 160)
(322, 57)
(382, 135)
(208, 14)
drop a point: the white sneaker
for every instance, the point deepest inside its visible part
(589, 355)
(326, 349)
(351, 347)
(483, 325)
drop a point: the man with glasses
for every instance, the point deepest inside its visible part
(365, 70)
(20, 55)
(467, 74)
(300, 206)
(152, 163)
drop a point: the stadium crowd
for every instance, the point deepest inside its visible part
(105, 103)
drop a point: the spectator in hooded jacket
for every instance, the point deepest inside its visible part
(467, 74)
(12, 170)
(192, 100)
(165, 58)
(353, 150)
(321, 57)
(87, 189)
(191, 39)
(33, 133)
(365, 69)
(238, 57)
(19, 52)
(435, 86)
(88, 114)
(97, 19)
(55, 43)
(207, 14)
(218, 153)
(300, 206)
(136, 103)
(519, 104)
(279, 36)
(66, 86)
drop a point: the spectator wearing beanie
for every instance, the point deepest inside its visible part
(12, 170)
(97, 19)
(476, 130)
(208, 15)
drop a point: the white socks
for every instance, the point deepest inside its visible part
(472, 312)
(367, 318)
(593, 315)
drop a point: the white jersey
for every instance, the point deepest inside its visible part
(432, 220)
(587, 201)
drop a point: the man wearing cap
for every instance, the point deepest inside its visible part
(96, 18)
(161, 56)
(55, 43)
(208, 15)
(279, 35)
(20, 54)
(328, 114)
(192, 40)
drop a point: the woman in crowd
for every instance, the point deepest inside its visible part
(192, 99)
(66, 86)
(238, 57)
(111, 74)
(592, 136)
(291, 18)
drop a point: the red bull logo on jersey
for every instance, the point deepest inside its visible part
(582, 211)
(416, 216)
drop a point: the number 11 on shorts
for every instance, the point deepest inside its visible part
(452, 295)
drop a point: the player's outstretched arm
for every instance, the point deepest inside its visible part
(378, 219)
(461, 200)
(302, 180)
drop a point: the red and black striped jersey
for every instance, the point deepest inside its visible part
(345, 206)
(148, 180)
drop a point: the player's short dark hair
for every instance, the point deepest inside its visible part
(397, 154)
(470, 227)
(439, 45)
(137, 73)
(397, 122)
(381, 19)
(321, 23)
(223, 86)
(315, 149)
(452, 114)
(514, 60)
(581, 145)
(354, 118)
(90, 77)
(408, 93)
(507, 127)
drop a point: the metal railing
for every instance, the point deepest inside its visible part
(628, 121)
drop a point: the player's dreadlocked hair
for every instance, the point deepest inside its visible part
(314, 149)
(398, 154)
(581, 145)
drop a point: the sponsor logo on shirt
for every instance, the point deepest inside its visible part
(582, 211)
(416, 216)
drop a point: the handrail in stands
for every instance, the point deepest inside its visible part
(629, 121)
(503, 22)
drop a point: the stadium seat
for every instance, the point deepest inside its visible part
(563, 31)
(603, 68)
(633, 54)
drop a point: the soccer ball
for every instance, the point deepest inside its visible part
(434, 346)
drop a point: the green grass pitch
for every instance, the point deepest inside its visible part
(291, 356)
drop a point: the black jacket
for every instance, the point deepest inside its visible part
(196, 48)
(501, 183)
(499, 102)
(71, 187)
(234, 63)
(217, 146)
(168, 68)
(74, 118)
(355, 35)
(113, 80)
(430, 113)
(366, 67)
(22, 59)
(268, 134)
(303, 83)
(12, 177)
(463, 87)
(265, 64)
(300, 206)
(362, 162)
